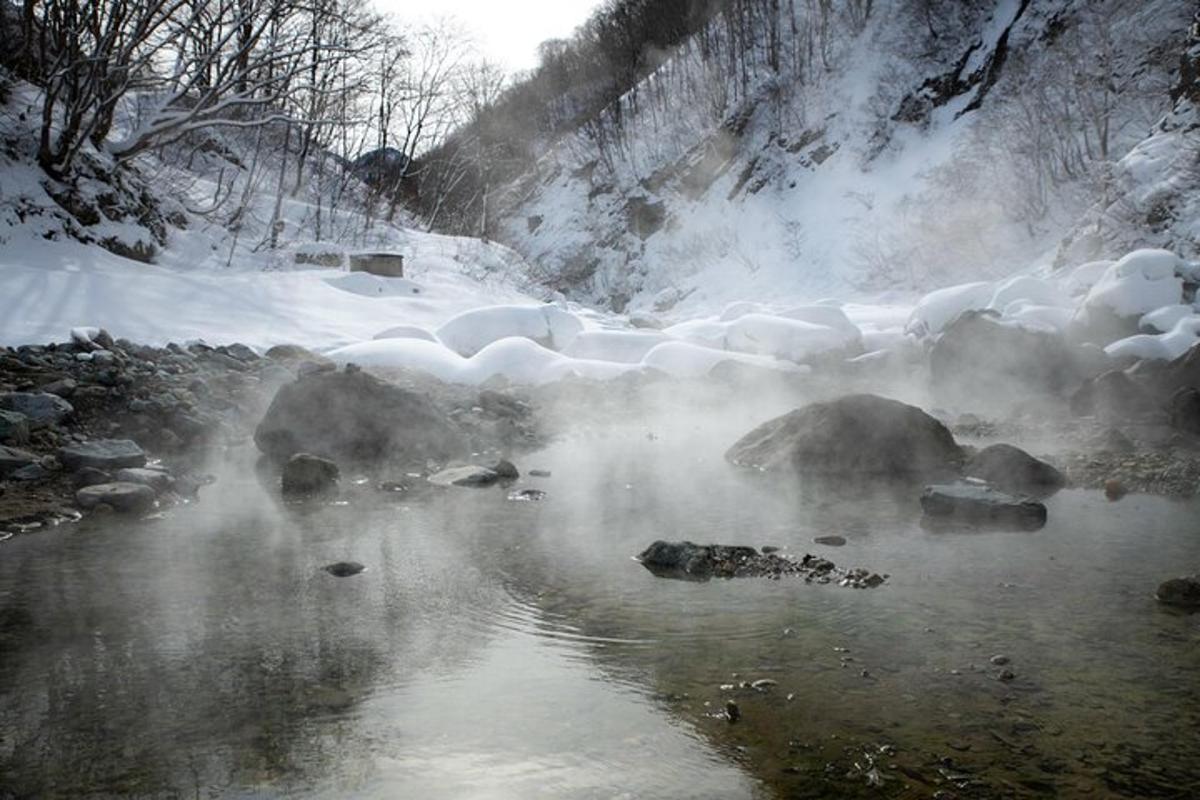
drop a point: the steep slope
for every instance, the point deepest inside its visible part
(910, 151)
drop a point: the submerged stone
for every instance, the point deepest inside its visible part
(308, 474)
(344, 569)
(1180, 592)
(978, 503)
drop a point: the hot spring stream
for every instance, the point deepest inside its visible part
(501, 649)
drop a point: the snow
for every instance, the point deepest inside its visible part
(1140, 282)
(685, 360)
(790, 339)
(1162, 320)
(626, 347)
(939, 308)
(471, 331)
(369, 285)
(1085, 276)
(406, 332)
(1165, 346)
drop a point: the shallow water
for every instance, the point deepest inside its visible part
(499, 649)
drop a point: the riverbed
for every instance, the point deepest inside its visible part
(497, 648)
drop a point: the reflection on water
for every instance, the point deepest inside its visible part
(514, 649)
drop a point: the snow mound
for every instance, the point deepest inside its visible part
(406, 332)
(626, 347)
(686, 360)
(1163, 346)
(703, 332)
(740, 308)
(1029, 290)
(473, 330)
(368, 285)
(939, 308)
(1163, 320)
(1085, 276)
(1140, 282)
(791, 339)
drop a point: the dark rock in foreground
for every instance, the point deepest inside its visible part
(1180, 592)
(688, 561)
(1013, 470)
(308, 474)
(981, 504)
(13, 459)
(344, 569)
(350, 415)
(858, 435)
(14, 427)
(1111, 395)
(1184, 409)
(127, 497)
(102, 454)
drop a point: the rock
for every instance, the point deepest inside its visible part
(1113, 441)
(353, 416)
(999, 660)
(293, 352)
(12, 459)
(857, 435)
(528, 495)
(678, 559)
(1111, 395)
(158, 480)
(309, 474)
(344, 569)
(14, 427)
(90, 476)
(1184, 408)
(506, 470)
(471, 475)
(980, 359)
(980, 503)
(830, 541)
(1180, 592)
(41, 409)
(1013, 470)
(241, 352)
(1114, 489)
(107, 454)
(732, 712)
(29, 472)
(127, 497)
(64, 387)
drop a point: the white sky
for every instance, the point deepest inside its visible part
(505, 32)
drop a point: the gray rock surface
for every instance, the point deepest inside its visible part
(981, 504)
(126, 497)
(471, 476)
(308, 474)
(14, 427)
(106, 454)
(1180, 592)
(12, 459)
(1013, 470)
(158, 480)
(857, 435)
(40, 408)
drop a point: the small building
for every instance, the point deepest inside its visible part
(387, 265)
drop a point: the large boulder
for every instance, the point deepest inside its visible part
(108, 454)
(976, 503)
(984, 361)
(1013, 470)
(14, 427)
(857, 435)
(352, 416)
(40, 408)
(1112, 395)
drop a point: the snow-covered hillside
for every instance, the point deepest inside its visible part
(908, 157)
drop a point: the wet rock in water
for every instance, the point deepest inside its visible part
(1111, 395)
(127, 497)
(686, 559)
(102, 454)
(1114, 489)
(999, 660)
(41, 409)
(344, 569)
(1013, 470)
(857, 435)
(353, 416)
(13, 459)
(14, 427)
(308, 474)
(539, 473)
(506, 470)
(732, 712)
(1184, 409)
(830, 541)
(981, 504)
(157, 479)
(1180, 592)
(528, 495)
(469, 476)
